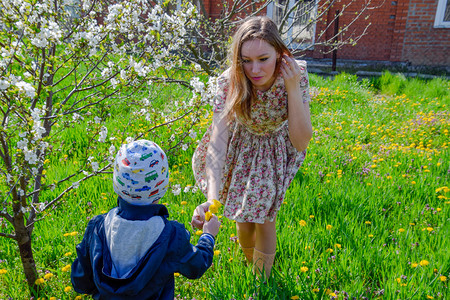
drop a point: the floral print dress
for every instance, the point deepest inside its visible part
(261, 161)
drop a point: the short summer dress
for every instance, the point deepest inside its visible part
(261, 160)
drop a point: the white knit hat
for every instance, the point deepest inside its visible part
(141, 172)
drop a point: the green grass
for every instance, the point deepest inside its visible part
(366, 216)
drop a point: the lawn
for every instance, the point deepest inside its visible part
(366, 217)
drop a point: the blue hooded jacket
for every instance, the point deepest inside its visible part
(153, 275)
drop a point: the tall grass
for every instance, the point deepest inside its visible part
(366, 217)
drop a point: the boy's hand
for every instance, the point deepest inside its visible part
(198, 218)
(212, 226)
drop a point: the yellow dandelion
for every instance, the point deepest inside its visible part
(315, 290)
(39, 281)
(3, 271)
(412, 224)
(183, 202)
(78, 298)
(442, 278)
(295, 297)
(216, 252)
(302, 223)
(67, 289)
(208, 215)
(176, 274)
(368, 222)
(424, 263)
(430, 229)
(370, 235)
(329, 227)
(339, 246)
(66, 268)
(198, 232)
(401, 230)
(329, 250)
(213, 209)
(311, 216)
(230, 259)
(399, 280)
(430, 297)
(414, 265)
(52, 298)
(48, 276)
(304, 269)
(332, 295)
(438, 209)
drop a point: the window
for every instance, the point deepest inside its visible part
(298, 29)
(442, 19)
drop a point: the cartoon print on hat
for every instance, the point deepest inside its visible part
(141, 172)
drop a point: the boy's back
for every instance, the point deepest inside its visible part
(133, 251)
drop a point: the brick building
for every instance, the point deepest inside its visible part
(409, 31)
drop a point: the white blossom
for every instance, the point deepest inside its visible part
(4, 84)
(106, 72)
(94, 166)
(97, 120)
(114, 83)
(129, 139)
(176, 189)
(35, 114)
(112, 150)
(193, 134)
(76, 117)
(123, 74)
(27, 88)
(22, 144)
(102, 135)
(76, 184)
(184, 147)
(30, 156)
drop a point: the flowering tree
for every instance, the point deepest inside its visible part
(65, 64)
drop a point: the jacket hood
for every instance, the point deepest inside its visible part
(144, 272)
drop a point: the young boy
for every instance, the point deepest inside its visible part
(133, 251)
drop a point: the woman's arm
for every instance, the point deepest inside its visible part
(299, 118)
(215, 156)
(215, 160)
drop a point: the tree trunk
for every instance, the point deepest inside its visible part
(23, 238)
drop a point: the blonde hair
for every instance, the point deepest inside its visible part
(241, 91)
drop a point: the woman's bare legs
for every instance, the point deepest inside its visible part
(260, 240)
(265, 246)
(247, 235)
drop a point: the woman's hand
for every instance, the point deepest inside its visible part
(198, 218)
(291, 72)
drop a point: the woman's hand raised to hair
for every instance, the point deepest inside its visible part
(290, 71)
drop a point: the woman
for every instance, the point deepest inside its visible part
(258, 138)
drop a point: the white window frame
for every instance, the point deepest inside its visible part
(440, 12)
(270, 12)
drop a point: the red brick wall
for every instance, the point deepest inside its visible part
(423, 44)
(400, 31)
